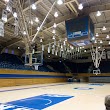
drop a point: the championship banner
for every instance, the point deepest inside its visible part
(4, 15)
(104, 55)
(1, 29)
(108, 54)
(16, 27)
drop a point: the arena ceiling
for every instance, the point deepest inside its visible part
(69, 9)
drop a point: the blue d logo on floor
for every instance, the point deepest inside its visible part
(35, 103)
(83, 88)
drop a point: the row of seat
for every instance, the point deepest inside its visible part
(12, 62)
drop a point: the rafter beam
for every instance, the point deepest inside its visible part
(70, 1)
(59, 20)
(69, 4)
(10, 43)
(95, 8)
(27, 8)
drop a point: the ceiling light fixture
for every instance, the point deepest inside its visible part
(98, 13)
(101, 42)
(24, 32)
(54, 31)
(56, 14)
(93, 38)
(31, 22)
(80, 7)
(53, 37)
(55, 25)
(15, 15)
(9, 8)
(33, 6)
(36, 19)
(40, 40)
(18, 47)
(104, 28)
(97, 35)
(95, 42)
(6, 0)
(108, 37)
(65, 39)
(85, 51)
(38, 28)
(59, 2)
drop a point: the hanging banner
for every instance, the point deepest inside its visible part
(16, 27)
(48, 49)
(1, 29)
(42, 47)
(9, 6)
(108, 54)
(4, 15)
(104, 55)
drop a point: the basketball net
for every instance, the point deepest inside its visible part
(96, 54)
(36, 67)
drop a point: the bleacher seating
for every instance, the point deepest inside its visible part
(12, 62)
(45, 69)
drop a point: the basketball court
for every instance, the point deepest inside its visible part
(54, 54)
(59, 96)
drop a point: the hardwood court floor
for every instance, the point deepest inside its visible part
(92, 99)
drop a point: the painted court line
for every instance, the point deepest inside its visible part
(30, 88)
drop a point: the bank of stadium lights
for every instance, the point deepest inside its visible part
(98, 13)
(104, 28)
(80, 7)
(60, 2)
(33, 6)
(107, 36)
(56, 14)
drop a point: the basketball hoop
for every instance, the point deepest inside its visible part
(96, 54)
(36, 67)
(97, 71)
(34, 59)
